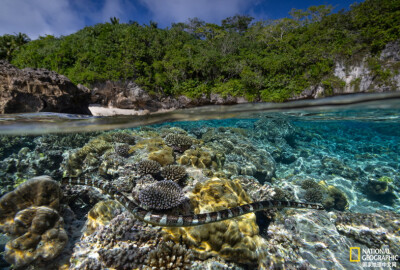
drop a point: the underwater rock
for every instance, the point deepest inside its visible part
(335, 166)
(273, 129)
(161, 195)
(256, 191)
(375, 230)
(381, 190)
(235, 239)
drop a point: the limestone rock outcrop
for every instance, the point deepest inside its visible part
(40, 90)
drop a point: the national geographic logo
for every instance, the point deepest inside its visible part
(371, 257)
(355, 254)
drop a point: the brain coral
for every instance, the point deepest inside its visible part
(235, 239)
(148, 167)
(29, 216)
(173, 172)
(161, 195)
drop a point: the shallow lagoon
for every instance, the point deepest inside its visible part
(341, 153)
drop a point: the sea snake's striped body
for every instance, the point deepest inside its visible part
(167, 220)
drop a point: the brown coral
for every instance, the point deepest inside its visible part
(148, 167)
(178, 142)
(29, 216)
(38, 235)
(122, 150)
(123, 137)
(169, 255)
(161, 195)
(173, 172)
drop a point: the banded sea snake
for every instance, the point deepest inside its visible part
(168, 220)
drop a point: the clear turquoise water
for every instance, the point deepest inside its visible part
(347, 144)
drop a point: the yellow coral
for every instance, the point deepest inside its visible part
(101, 214)
(197, 158)
(164, 156)
(235, 239)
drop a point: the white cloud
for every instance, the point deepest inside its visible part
(57, 17)
(167, 11)
(38, 17)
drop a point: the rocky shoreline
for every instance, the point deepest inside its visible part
(40, 90)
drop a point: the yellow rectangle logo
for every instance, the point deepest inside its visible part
(358, 254)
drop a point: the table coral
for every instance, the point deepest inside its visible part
(235, 239)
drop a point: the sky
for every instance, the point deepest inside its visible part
(63, 17)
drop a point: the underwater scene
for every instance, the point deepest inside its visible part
(308, 186)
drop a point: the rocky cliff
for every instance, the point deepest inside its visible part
(39, 90)
(370, 74)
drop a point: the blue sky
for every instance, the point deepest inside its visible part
(63, 17)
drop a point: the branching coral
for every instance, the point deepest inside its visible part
(169, 255)
(123, 137)
(173, 172)
(308, 183)
(148, 167)
(314, 195)
(161, 195)
(122, 150)
(178, 142)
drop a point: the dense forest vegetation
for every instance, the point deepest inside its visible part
(271, 60)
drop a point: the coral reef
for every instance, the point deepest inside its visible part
(174, 172)
(169, 255)
(235, 239)
(101, 214)
(199, 158)
(89, 156)
(314, 195)
(37, 235)
(375, 230)
(122, 150)
(148, 167)
(123, 243)
(123, 137)
(178, 142)
(161, 195)
(29, 216)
